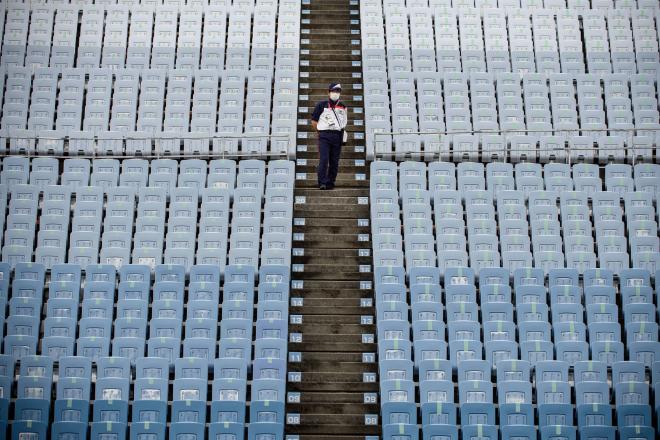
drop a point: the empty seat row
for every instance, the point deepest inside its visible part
(132, 111)
(160, 36)
(538, 40)
(521, 117)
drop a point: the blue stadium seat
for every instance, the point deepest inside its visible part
(37, 410)
(589, 371)
(558, 432)
(438, 432)
(231, 430)
(514, 392)
(636, 432)
(29, 429)
(486, 431)
(228, 412)
(145, 430)
(512, 414)
(66, 430)
(631, 414)
(71, 411)
(102, 430)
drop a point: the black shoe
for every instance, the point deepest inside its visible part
(323, 187)
(331, 186)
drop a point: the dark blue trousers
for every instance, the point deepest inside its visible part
(329, 152)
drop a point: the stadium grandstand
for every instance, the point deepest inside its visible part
(487, 266)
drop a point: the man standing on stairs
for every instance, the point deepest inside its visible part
(329, 119)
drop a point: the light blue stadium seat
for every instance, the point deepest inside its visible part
(267, 412)
(607, 352)
(462, 311)
(558, 432)
(63, 430)
(633, 415)
(37, 410)
(521, 431)
(496, 311)
(439, 432)
(228, 412)
(29, 429)
(555, 414)
(530, 331)
(631, 393)
(498, 350)
(592, 393)
(486, 431)
(238, 348)
(536, 351)
(145, 430)
(588, 371)
(637, 432)
(594, 414)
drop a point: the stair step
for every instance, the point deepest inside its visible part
(339, 192)
(313, 153)
(326, 318)
(337, 211)
(335, 241)
(357, 387)
(332, 275)
(332, 329)
(332, 346)
(331, 408)
(338, 309)
(327, 430)
(337, 284)
(330, 292)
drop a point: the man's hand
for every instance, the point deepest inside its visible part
(314, 124)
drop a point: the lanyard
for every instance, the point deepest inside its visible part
(336, 117)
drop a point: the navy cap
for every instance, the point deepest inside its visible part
(334, 86)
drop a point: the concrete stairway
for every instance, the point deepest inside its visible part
(332, 387)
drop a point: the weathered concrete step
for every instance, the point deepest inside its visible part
(332, 408)
(320, 339)
(335, 241)
(323, 385)
(326, 436)
(331, 292)
(326, 425)
(342, 182)
(337, 192)
(331, 75)
(312, 147)
(350, 86)
(343, 55)
(325, 260)
(337, 284)
(331, 229)
(313, 153)
(347, 167)
(329, 198)
(332, 346)
(334, 329)
(330, 318)
(348, 367)
(337, 308)
(335, 210)
(346, 66)
(332, 272)
(338, 356)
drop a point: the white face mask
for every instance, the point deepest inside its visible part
(334, 96)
